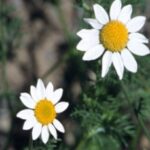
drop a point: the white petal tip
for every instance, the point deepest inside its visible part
(45, 141)
(78, 33)
(120, 78)
(85, 59)
(39, 79)
(95, 5)
(24, 128)
(18, 116)
(144, 18)
(85, 19)
(63, 131)
(67, 105)
(135, 71)
(78, 47)
(102, 75)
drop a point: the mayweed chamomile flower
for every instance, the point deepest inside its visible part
(114, 37)
(42, 109)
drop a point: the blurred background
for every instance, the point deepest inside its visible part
(38, 40)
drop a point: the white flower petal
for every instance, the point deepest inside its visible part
(100, 14)
(93, 22)
(29, 123)
(125, 14)
(85, 45)
(56, 95)
(62, 106)
(25, 94)
(136, 24)
(94, 53)
(138, 48)
(115, 9)
(25, 114)
(88, 33)
(49, 88)
(36, 131)
(34, 93)
(106, 63)
(52, 131)
(118, 64)
(40, 89)
(27, 100)
(58, 125)
(138, 37)
(45, 134)
(129, 61)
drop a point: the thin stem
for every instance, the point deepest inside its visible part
(30, 143)
(56, 65)
(52, 69)
(137, 116)
(81, 143)
(146, 131)
(4, 76)
(64, 24)
(136, 138)
(128, 99)
(68, 38)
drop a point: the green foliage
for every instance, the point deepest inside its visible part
(54, 2)
(99, 142)
(38, 145)
(101, 114)
(87, 5)
(50, 145)
(9, 30)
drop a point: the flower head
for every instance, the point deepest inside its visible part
(115, 37)
(42, 109)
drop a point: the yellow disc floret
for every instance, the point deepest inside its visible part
(45, 112)
(114, 36)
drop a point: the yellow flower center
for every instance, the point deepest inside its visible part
(45, 112)
(114, 36)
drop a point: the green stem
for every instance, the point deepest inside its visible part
(146, 131)
(63, 22)
(56, 65)
(137, 116)
(68, 38)
(4, 76)
(30, 143)
(136, 138)
(81, 143)
(128, 99)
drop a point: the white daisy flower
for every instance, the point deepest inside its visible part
(42, 109)
(114, 37)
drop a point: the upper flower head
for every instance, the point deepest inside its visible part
(42, 110)
(115, 36)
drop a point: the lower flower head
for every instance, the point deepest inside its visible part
(42, 111)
